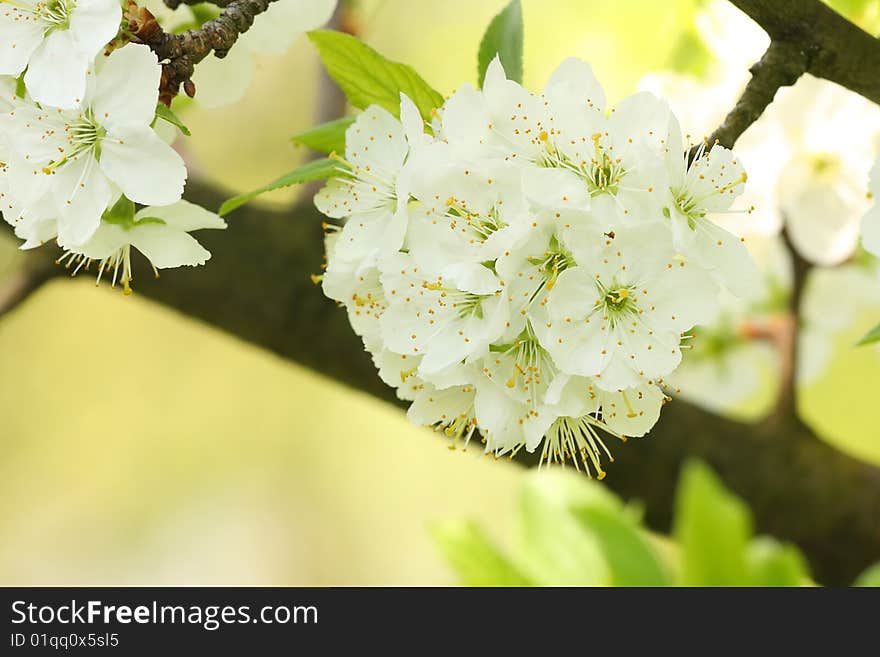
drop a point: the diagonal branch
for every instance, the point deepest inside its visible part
(806, 36)
(838, 50)
(257, 286)
(781, 66)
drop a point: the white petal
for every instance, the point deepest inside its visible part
(106, 241)
(377, 140)
(871, 231)
(466, 117)
(184, 216)
(82, 194)
(573, 81)
(94, 23)
(127, 89)
(167, 248)
(57, 72)
(632, 412)
(19, 38)
(147, 169)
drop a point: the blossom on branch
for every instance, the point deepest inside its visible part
(528, 271)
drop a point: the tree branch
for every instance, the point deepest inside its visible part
(781, 66)
(837, 49)
(806, 36)
(257, 286)
(786, 404)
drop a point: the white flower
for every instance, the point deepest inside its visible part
(224, 81)
(871, 221)
(618, 317)
(707, 186)
(161, 234)
(373, 192)
(56, 41)
(470, 214)
(428, 317)
(79, 160)
(450, 410)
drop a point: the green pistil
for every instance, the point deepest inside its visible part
(56, 14)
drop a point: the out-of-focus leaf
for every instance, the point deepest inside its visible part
(503, 37)
(690, 54)
(629, 555)
(871, 336)
(774, 564)
(870, 577)
(367, 78)
(315, 170)
(327, 137)
(713, 529)
(556, 548)
(472, 555)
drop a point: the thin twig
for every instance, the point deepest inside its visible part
(782, 65)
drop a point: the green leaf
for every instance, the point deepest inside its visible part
(315, 170)
(121, 214)
(556, 548)
(870, 337)
(367, 78)
(167, 114)
(472, 555)
(774, 564)
(629, 555)
(20, 88)
(713, 528)
(870, 577)
(503, 37)
(325, 138)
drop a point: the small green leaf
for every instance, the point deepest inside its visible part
(121, 214)
(367, 78)
(713, 528)
(325, 138)
(167, 114)
(870, 337)
(20, 88)
(774, 564)
(503, 37)
(315, 170)
(870, 577)
(472, 555)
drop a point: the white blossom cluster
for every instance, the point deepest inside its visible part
(78, 148)
(527, 268)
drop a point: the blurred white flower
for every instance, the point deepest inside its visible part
(224, 81)
(807, 154)
(871, 221)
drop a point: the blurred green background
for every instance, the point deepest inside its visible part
(139, 446)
